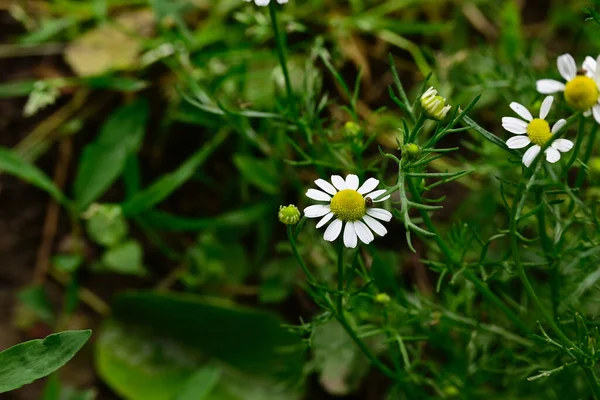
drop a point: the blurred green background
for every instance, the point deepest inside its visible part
(160, 129)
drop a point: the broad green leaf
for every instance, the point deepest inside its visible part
(199, 386)
(164, 186)
(139, 364)
(214, 328)
(261, 173)
(106, 224)
(103, 160)
(125, 258)
(13, 164)
(26, 362)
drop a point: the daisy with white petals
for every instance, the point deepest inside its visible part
(536, 131)
(582, 90)
(265, 2)
(351, 206)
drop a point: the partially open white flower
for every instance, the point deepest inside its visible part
(582, 90)
(265, 2)
(350, 205)
(536, 131)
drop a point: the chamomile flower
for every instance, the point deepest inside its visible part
(536, 131)
(582, 90)
(350, 207)
(265, 2)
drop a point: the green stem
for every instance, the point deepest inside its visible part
(549, 254)
(418, 125)
(309, 276)
(340, 278)
(586, 157)
(281, 50)
(591, 377)
(578, 142)
(468, 274)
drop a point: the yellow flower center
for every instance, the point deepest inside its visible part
(581, 92)
(348, 205)
(538, 131)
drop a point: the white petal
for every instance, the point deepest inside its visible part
(350, 239)
(363, 232)
(597, 73)
(587, 113)
(545, 108)
(282, 1)
(262, 2)
(317, 195)
(324, 220)
(563, 145)
(326, 186)
(518, 142)
(338, 182)
(352, 181)
(566, 67)
(514, 125)
(377, 226)
(368, 186)
(333, 231)
(552, 155)
(590, 66)
(549, 86)
(380, 213)
(596, 112)
(521, 111)
(558, 125)
(316, 211)
(377, 193)
(530, 155)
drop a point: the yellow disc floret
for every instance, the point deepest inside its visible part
(348, 205)
(538, 131)
(581, 92)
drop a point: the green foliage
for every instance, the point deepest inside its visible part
(28, 361)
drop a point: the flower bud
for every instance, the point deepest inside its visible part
(352, 129)
(289, 215)
(433, 105)
(382, 298)
(411, 151)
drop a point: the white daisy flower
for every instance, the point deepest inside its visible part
(582, 90)
(265, 2)
(351, 205)
(536, 131)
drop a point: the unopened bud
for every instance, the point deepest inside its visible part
(382, 298)
(433, 105)
(289, 215)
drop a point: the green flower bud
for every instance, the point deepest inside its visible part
(433, 105)
(411, 151)
(289, 215)
(352, 129)
(382, 298)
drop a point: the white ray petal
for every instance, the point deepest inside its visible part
(375, 225)
(316, 211)
(333, 231)
(326, 186)
(563, 145)
(530, 155)
(317, 195)
(597, 73)
(552, 155)
(596, 111)
(521, 110)
(352, 181)
(350, 239)
(545, 108)
(558, 125)
(549, 86)
(566, 66)
(589, 64)
(324, 220)
(514, 125)
(338, 182)
(518, 142)
(377, 193)
(380, 213)
(363, 232)
(369, 185)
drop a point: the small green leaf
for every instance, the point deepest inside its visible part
(125, 258)
(26, 362)
(103, 161)
(261, 173)
(106, 224)
(12, 163)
